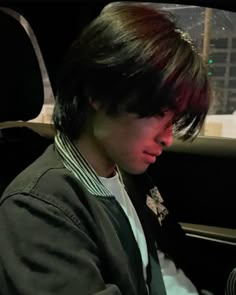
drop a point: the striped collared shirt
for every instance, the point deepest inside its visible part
(75, 162)
(231, 283)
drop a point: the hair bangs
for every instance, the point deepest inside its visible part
(187, 78)
(191, 107)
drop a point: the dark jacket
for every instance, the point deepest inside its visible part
(57, 238)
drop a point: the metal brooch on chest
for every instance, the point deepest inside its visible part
(154, 202)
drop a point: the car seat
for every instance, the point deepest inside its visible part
(21, 99)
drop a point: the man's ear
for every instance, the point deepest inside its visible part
(96, 105)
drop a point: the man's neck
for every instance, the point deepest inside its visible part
(95, 156)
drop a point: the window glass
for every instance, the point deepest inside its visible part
(214, 31)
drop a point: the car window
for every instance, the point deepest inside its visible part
(214, 31)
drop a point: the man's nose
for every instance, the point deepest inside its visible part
(166, 138)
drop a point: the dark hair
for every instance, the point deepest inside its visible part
(133, 58)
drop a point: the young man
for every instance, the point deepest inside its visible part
(85, 218)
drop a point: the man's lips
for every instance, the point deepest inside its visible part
(151, 156)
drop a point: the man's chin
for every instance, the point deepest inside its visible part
(135, 170)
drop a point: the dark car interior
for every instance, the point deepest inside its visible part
(196, 179)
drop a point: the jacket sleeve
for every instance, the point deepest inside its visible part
(42, 251)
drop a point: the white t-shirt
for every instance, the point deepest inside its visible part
(174, 279)
(117, 189)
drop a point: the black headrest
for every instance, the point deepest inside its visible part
(21, 84)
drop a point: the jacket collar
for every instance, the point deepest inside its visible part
(76, 163)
